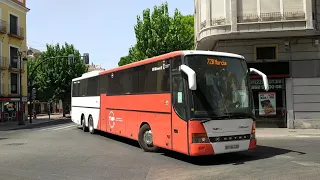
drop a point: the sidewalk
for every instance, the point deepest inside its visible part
(287, 133)
(43, 119)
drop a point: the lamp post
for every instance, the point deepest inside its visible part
(31, 88)
(20, 107)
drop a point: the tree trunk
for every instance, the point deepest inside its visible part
(64, 108)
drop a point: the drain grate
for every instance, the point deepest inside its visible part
(3, 138)
(15, 144)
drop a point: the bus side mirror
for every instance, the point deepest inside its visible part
(264, 78)
(192, 80)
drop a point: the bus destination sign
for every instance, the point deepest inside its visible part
(216, 62)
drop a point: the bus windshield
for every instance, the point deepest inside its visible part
(222, 87)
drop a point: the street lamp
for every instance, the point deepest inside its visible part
(31, 89)
(20, 107)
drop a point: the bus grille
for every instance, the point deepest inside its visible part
(229, 138)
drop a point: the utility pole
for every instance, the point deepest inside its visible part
(20, 107)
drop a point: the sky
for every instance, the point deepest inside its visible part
(102, 28)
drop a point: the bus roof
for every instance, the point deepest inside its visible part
(88, 74)
(212, 53)
(170, 55)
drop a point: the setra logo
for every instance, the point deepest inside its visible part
(112, 119)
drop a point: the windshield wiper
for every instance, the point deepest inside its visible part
(240, 115)
(215, 118)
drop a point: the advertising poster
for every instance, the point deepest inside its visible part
(267, 104)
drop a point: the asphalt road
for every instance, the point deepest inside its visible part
(63, 151)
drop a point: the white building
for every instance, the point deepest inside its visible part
(280, 38)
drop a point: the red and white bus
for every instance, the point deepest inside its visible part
(192, 102)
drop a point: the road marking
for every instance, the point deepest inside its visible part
(58, 127)
(287, 136)
(64, 127)
(306, 163)
(283, 157)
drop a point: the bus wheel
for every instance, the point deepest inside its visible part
(91, 128)
(145, 139)
(84, 127)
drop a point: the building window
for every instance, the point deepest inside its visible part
(266, 53)
(14, 28)
(13, 57)
(14, 83)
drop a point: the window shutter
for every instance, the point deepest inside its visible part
(247, 7)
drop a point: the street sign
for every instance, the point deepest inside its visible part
(24, 99)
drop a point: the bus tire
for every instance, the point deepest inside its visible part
(91, 127)
(84, 127)
(145, 139)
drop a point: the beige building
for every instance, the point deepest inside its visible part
(92, 67)
(13, 67)
(280, 38)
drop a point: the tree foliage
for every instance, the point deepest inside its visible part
(53, 77)
(157, 33)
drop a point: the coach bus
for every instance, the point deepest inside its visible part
(192, 102)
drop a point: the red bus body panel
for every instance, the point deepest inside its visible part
(198, 149)
(169, 130)
(131, 111)
(180, 139)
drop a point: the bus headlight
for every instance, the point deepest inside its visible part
(253, 131)
(200, 138)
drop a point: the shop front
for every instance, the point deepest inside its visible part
(270, 106)
(10, 109)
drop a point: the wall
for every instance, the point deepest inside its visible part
(316, 13)
(299, 49)
(306, 102)
(19, 11)
(303, 89)
(244, 19)
(15, 42)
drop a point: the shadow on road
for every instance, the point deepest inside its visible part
(119, 139)
(38, 125)
(262, 152)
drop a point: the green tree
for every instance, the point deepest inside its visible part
(134, 55)
(53, 78)
(45, 94)
(157, 33)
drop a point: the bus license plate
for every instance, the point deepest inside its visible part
(234, 146)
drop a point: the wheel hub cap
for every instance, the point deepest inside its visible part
(147, 137)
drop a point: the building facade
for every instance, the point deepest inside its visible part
(280, 38)
(12, 47)
(93, 67)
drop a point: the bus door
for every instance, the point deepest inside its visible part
(179, 114)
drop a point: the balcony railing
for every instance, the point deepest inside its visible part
(218, 21)
(273, 16)
(16, 31)
(203, 24)
(294, 15)
(3, 26)
(3, 62)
